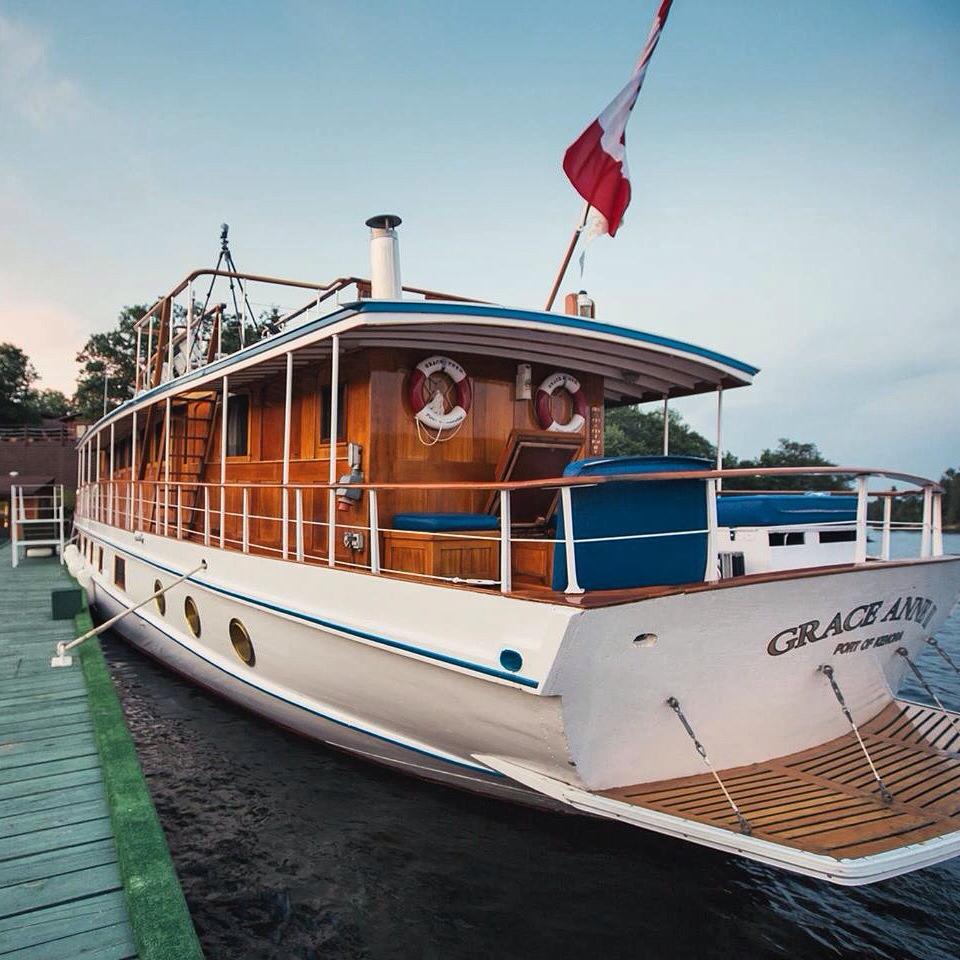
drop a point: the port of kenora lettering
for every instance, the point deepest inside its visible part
(390, 526)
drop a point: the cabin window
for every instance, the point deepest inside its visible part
(99, 559)
(238, 416)
(786, 539)
(837, 536)
(161, 599)
(192, 615)
(242, 644)
(325, 394)
(120, 572)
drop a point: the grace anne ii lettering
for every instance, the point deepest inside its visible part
(918, 609)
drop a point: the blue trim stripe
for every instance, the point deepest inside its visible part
(330, 624)
(300, 706)
(554, 319)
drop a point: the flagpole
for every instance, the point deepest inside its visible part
(567, 257)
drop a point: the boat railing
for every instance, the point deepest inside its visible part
(280, 520)
(184, 329)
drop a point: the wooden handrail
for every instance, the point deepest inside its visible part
(589, 481)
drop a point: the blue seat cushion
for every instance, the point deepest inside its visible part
(624, 508)
(780, 510)
(444, 522)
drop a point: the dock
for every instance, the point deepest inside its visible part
(84, 865)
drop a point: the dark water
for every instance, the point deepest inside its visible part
(288, 850)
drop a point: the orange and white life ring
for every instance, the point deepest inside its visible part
(430, 411)
(561, 381)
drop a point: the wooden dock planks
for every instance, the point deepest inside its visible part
(61, 892)
(825, 800)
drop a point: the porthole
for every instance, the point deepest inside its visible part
(242, 643)
(510, 660)
(162, 599)
(193, 615)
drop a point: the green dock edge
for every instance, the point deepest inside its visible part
(158, 912)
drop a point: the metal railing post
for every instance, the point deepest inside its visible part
(179, 511)
(937, 532)
(206, 516)
(860, 551)
(14, 539)
(374, 514)
(712, 573)
(927, 521)
(61, 518)
(298, 508)
(506, 563)
(246, 521)
(223, 515)
(885, 535)
(569, 544)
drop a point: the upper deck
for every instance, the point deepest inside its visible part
(406, 432)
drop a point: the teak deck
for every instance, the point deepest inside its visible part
(825, 800)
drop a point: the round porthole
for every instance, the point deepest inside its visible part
(161, 601)
(511, 660)
(242, 643)
(193, 615)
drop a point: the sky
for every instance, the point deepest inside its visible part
(796, 198)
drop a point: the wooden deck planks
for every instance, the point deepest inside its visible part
(825, 800)
(60, 886)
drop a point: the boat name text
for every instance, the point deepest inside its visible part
(920, 610)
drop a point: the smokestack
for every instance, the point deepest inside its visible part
(384, 257)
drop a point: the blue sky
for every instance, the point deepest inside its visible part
(794, 166)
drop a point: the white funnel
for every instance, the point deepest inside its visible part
(384, 257)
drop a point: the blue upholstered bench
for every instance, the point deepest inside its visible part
(620, 509)
(444, 522)
(783, 510)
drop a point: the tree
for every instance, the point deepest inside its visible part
(790, 453)
(631, 431)
(17, 376)
(51, 403)
(108, 356)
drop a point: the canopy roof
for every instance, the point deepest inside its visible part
(636, 366)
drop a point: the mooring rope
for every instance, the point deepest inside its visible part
(943, 653)
(674, 705)
(902, 652)
(827, 671)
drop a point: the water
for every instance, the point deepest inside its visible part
(288, 850)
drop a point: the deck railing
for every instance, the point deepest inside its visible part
(282, 520)
(37, 520)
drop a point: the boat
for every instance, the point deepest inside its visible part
(389, 525)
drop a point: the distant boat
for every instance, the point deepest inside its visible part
(417, 551)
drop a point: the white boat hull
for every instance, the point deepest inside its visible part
(411, 675)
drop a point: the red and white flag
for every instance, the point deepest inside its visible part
(596, 162)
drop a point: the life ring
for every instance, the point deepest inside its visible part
(430, 412)
(548, 388)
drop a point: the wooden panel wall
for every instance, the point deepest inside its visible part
(379, 418)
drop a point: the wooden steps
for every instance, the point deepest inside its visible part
(825, 800)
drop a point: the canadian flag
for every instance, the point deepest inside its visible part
(596, 162)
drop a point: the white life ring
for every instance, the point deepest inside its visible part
(568, 382)
(430, 412)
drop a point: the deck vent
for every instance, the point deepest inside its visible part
(384, 257)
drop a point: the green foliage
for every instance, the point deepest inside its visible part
(632, 432)
(17, 376)
(108, 356)
(790, 453)
(910, 509)
(51, 403)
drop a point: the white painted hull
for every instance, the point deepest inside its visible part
(409, 674)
